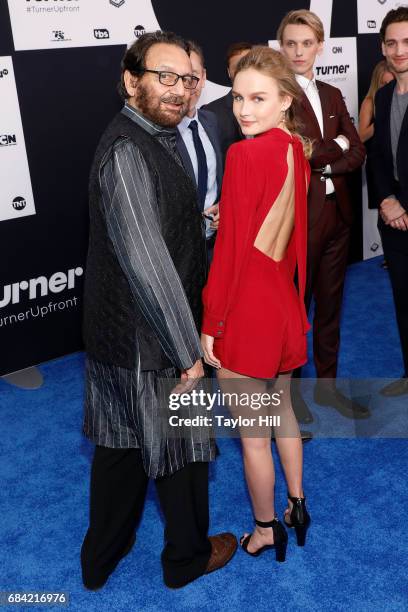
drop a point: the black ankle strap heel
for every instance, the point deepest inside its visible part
(280, 538)
(299, 518)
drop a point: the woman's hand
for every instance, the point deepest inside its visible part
(207, 342)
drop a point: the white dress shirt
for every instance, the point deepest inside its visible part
(212, 187)
(312, 93)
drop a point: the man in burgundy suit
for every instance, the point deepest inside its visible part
(337, 152)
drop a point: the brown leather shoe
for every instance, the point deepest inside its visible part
(224, 546)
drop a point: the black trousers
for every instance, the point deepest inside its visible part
(117, 495)
(398, 269)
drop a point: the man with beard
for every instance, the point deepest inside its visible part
(145, 272)
(389, 162)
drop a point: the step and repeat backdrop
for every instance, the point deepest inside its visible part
(59, 66)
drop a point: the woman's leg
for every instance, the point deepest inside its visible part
(257, 456)
(288, 440)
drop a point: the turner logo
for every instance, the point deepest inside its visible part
(7, 140)
(39, 287)
(3, 73)
(101, 33)
(330, 70)
(19, 203)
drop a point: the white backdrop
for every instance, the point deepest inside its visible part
(372, 12)
(16, 196)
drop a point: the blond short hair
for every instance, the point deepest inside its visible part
(302, 17)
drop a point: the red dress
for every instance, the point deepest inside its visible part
(251, 305)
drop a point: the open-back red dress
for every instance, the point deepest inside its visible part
(251, 305)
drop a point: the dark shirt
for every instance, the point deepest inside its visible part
(122, 409)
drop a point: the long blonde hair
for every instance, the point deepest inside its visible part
(380, 69)
(274, 64)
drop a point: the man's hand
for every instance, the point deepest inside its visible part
(207, 342)
(214, 210)
(345, 140)
(401, 223)
(189, 378)
(391, 210)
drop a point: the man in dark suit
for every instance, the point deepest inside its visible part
(198, 143)
(222, 107)
(389, 161)
(337, 152)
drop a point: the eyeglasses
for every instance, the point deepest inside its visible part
(171, 78)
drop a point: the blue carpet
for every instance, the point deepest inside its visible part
(355, 557)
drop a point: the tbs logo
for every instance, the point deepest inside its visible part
(19, 203)
(101, 33)
(117, 3)
(371, 24)
(3, 73)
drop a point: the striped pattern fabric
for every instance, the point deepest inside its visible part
(122, 407)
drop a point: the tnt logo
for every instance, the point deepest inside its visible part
(337, 49)
(58, 35)
(371, 24)
(3, 73)
(117, 3)
(19, 203)
(7, 139)
(139, 30)
(101, 33)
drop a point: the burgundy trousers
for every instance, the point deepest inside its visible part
(328, 246)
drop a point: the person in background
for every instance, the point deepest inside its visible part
(198, 144)
(381, 76)
(230, 131)
(389, 161)
(337, 151)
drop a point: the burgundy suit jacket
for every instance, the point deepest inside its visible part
(336, 121)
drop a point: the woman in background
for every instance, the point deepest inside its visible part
(255, 323)
(381, 76)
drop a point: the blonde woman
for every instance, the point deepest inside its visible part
(255, 323)
(381, 76)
